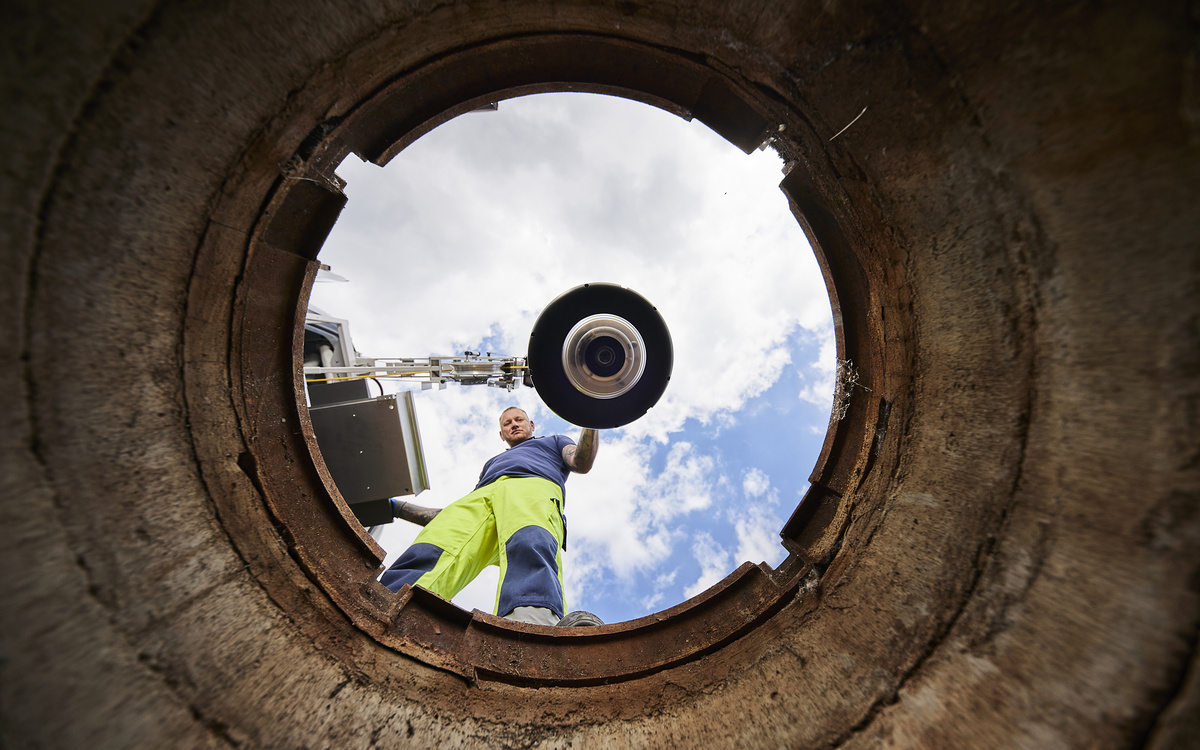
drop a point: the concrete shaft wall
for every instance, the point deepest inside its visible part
(1013, 563)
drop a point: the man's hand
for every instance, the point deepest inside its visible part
(580, 457)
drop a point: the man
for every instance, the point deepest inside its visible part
(514, 519)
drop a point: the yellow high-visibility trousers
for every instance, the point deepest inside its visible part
(515, 523)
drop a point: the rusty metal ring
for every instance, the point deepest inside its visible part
(335, 551)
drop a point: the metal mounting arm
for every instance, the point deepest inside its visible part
(469, 369)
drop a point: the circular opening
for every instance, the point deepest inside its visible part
(603, 356)
(335, 552)
(470, 231)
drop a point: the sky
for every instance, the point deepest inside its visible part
(462, 239)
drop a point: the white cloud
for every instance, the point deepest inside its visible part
(662, 582)
(758, 537)
(624, 514)
(709, 242)
(758, 520)
(819, 375)
(714, 563)
(755, 482)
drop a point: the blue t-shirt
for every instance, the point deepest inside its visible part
(535, 457)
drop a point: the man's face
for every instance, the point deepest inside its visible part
(515, 427)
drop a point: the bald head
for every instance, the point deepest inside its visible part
(515, 426)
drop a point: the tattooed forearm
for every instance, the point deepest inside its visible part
(583, 453)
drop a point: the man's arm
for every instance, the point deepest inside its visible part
(580, 457)
(418, 514)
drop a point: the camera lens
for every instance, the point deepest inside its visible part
(604, 356)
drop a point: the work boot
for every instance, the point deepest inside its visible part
(578, 619)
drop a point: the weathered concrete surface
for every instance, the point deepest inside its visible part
(1018, 568)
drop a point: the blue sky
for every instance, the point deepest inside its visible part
(466, 235)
